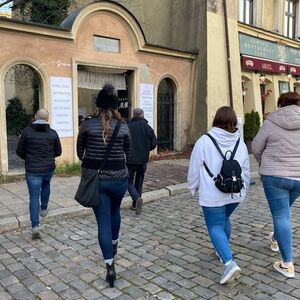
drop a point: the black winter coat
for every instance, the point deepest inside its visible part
(91, 148)
(38, 145)
(143, 140)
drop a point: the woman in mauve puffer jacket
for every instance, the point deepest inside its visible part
(277, 149)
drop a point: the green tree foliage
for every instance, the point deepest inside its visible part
(50, 12)
(251, 126)
(16, 117)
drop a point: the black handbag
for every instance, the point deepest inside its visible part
(88, 190)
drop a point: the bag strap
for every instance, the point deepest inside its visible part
(234, 149)
(108, 148)
(216, 144)
(208, 170)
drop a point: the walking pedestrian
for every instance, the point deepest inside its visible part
(93, 138)
(143, 140)
(218, 206)
(38, 145)
(277, 149)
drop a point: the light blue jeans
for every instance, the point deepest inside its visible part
(281, 193)
(218, 224)
(39, 192)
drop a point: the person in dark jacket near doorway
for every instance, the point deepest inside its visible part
(38, 145)
(143, 140)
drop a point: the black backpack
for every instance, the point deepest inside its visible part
(229, 179)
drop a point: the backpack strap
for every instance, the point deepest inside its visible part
(208, 170)
(234, 149)
(216, 144)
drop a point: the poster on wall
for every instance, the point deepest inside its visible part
(62, 114)
(146, 101)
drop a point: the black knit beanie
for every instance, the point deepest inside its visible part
(107, 97)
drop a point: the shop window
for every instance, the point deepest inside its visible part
(284, 87)
(290, 18)
(246, 11)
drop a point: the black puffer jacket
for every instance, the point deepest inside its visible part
(39, 145)
(143, 140)
(91, 148)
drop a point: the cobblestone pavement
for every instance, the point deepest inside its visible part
(164, 254)
(14, 196)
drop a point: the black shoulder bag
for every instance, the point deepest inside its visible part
(88, 190)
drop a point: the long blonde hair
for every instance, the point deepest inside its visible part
(105, 115)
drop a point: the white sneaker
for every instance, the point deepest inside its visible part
(230, 272)
(35, 233)
(274, 244)
(44, 212)
(288, 272)
(138, 206)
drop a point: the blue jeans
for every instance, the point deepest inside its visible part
(136, 180)
(281, 193)
(219, 228)
(39, 189)
(111, 193)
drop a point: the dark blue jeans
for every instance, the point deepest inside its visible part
(39, 189)
(218, 224)
(108, 213)
(281, 193)
(136, 180)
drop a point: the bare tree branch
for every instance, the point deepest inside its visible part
(2, 3)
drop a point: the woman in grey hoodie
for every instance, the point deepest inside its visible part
(277, 149)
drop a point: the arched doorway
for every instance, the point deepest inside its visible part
(165, 114)
(22, 100)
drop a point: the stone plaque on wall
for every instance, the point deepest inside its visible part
(106, 44)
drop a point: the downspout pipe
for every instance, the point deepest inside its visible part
(228, 54)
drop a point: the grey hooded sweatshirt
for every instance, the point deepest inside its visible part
(277, 143)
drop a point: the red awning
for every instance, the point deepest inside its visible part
(294, 70)
(268, 66)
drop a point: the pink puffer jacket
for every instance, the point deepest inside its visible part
(277, 144)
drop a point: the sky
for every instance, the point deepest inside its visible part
(5, 8)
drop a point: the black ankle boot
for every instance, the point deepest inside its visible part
(115, 249)
(110, 274)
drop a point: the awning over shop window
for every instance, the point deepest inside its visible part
(257, 64)
(268, 66)
(94, 81)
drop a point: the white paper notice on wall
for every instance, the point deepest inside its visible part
(146, 101)
(62, 112)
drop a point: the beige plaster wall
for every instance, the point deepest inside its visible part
(269, 10)
(57, 57)
(217, 77)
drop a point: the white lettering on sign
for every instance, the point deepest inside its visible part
(106, 44)
(62, 113)
(267, 66)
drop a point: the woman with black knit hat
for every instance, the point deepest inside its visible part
(93, 138)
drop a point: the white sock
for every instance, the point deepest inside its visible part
(287, 264)
(115, 241)
(109, 261)
(226, 264)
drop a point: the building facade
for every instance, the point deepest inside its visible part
(269, 43)
(180, 60)
(101, 42)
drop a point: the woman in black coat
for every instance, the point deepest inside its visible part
(94, 136)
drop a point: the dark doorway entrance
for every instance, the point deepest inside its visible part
(22, 97)
(165, 115)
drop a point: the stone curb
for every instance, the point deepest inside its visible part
(16, 223)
